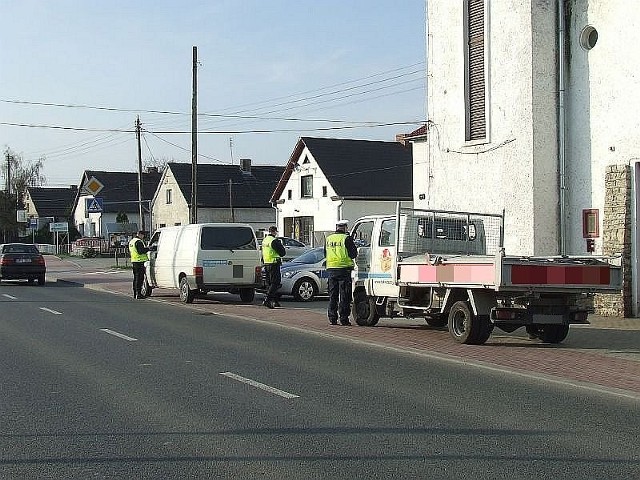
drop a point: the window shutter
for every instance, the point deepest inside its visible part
(476, 120)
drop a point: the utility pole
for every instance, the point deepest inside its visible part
(194, 140)
(231, 201)
(142, 226)
(8, 185)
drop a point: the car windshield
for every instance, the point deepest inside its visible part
(32, 249)
(312, 256)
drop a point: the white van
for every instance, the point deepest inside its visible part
(204, 257)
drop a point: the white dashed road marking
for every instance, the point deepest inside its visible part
(119, 335)
(50, 311)
(262, 386)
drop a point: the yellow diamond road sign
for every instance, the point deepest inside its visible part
(93, 186)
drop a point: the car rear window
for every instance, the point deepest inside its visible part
(227, 238)
(20, 249)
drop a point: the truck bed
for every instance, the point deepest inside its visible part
(511, 273)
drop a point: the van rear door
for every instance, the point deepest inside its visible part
(229, 255)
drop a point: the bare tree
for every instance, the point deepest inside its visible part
(23, 173)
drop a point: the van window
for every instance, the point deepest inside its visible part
(227, 238)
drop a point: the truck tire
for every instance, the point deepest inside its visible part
(247, 295)
(364, 310)
(467, 328)
(553, 333)
(186, 294)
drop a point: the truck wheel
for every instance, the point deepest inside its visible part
(553, 333)
(247, 295)
(436, 321)
(186, 294)
(146, 289)
(467, 328)
(364, 310)
(304, 290)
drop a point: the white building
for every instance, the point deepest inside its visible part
(533, 108)
(328, 179)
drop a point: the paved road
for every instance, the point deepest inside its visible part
(97, 385)
(604, 356)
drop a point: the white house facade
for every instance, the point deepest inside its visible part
(328, 179)
(532, 109)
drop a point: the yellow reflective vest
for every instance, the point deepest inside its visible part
(133, 251)
(337, 254)
(269, 255)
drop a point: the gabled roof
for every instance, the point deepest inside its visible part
(250, 189)
(358, 169)
(120, 192)
(53, 201)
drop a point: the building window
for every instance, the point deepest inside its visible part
(289, 194)
(162, 225)
(168, 198)
(324, 191)
(306, 186)
(475, 71)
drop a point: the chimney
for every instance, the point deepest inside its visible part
(245, 165)
(401, 138)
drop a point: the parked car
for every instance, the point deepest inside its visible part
(22, 261)
(305, 277)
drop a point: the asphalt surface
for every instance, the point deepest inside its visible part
(603, 356)
(96, 384)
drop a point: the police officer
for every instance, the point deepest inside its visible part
(340, 250)
(138, 252)
(272, 253)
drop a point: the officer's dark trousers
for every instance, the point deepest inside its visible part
(339, 294)
(138, 277)
(274, 280)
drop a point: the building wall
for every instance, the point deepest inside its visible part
(168, 214)
(602, 106)
(325, 209)
(515, 168)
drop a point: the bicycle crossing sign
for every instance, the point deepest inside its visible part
(94, 205)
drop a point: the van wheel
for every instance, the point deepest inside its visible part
(364, 310)
(247, 294)
(186, 294)
(146, 289)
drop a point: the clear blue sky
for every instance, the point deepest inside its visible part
(351, 61)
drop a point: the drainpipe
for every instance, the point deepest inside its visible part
(561, 127)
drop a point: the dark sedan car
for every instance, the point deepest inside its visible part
(22, 261)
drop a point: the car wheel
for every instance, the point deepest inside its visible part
(186, 294)
(305, 290)
(31, 281)
(41, 280)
